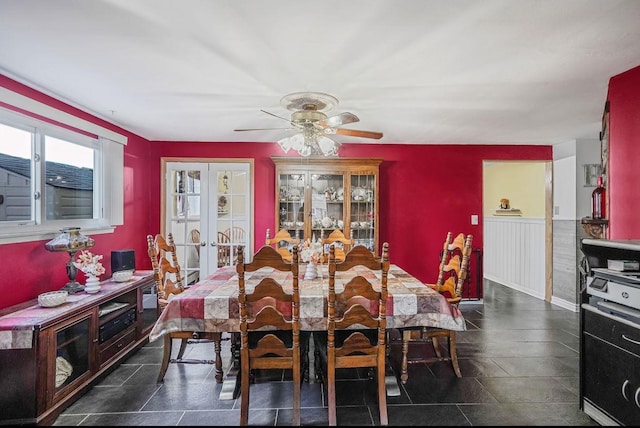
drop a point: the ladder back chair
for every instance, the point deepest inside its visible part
(282, 242)
(168, 279)
(356, 326)
(341, 242)
(269, 337)
(454, 266)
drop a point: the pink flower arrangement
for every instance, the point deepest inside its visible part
(89, 263)
(310, 251)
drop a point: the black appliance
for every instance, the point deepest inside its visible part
(123, 260)
(116, 325)
(610, 332)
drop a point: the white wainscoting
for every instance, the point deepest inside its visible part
(514, 253)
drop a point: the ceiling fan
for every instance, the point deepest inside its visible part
(309, 118)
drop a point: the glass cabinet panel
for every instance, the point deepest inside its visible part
(363, 210)
(291, 206)
(327, 204)
(73, 356)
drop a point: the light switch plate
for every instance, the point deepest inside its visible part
(474, 219)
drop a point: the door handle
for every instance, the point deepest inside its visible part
(203, 244)
(214, 244)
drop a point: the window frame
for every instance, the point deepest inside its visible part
(108, 179)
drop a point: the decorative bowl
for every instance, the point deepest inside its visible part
(122, 275)
(52, 298)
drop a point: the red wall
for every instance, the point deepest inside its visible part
(28, 269)
(425, 191)
(624, 155)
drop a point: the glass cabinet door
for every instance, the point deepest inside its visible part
(363, 210)
(292, 213)
(71, 352)
(327, 204)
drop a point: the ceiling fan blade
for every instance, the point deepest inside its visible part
(275, 115)
(338, 120)
(358, 133)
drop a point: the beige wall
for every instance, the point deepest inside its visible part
(523, 183)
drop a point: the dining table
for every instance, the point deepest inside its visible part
(211, 305)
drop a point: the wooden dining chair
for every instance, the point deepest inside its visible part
(282, 242)
(341, 242)
(228, 242)
(269, 306)
(168, 279)
(453, 272)
(356, 326)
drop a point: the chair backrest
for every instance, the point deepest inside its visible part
(358, 304)
(454, 267)
(224, 249)
(166, 274)
(282, 242)
(228, 242)
(341, 242)
(263, 307)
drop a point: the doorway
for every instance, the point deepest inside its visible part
(517, 226)
(207, 207)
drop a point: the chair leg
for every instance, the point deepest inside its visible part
(382, 393)
(183, 348)
(331, 391)
(453, 353)
(436, 347)
(404, 374)
(297, 380)
(166, 356)
(217, 348)
(244, 391)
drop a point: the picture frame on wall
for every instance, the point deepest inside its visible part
(604, 145)
(591, 173)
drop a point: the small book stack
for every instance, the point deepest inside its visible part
(508, 211)
(623, 265)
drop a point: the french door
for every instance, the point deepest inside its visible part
(208, 209)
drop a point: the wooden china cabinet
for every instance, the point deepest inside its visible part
(314, 196)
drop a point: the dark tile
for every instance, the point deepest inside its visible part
(538, 366)
(448, 390)
(133, 419)
(187, 397)
(111, 399)
(522, 414)
(528, 389)
(427, 415)
(120, 375)
(69, 420)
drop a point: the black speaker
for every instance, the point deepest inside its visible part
(123, 260)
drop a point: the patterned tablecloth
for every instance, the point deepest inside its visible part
(212, 304)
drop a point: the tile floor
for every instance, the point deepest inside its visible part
(518, 357)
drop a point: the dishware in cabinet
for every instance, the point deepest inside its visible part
(315, 196)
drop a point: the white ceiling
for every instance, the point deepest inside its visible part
(420, 71)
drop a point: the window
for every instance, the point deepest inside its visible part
(52, 177)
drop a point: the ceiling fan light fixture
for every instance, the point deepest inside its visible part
(310, 144)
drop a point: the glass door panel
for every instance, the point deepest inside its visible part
(186, 187)
(327, 204)
(291, 206)
(363, 210)
(233, 221)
